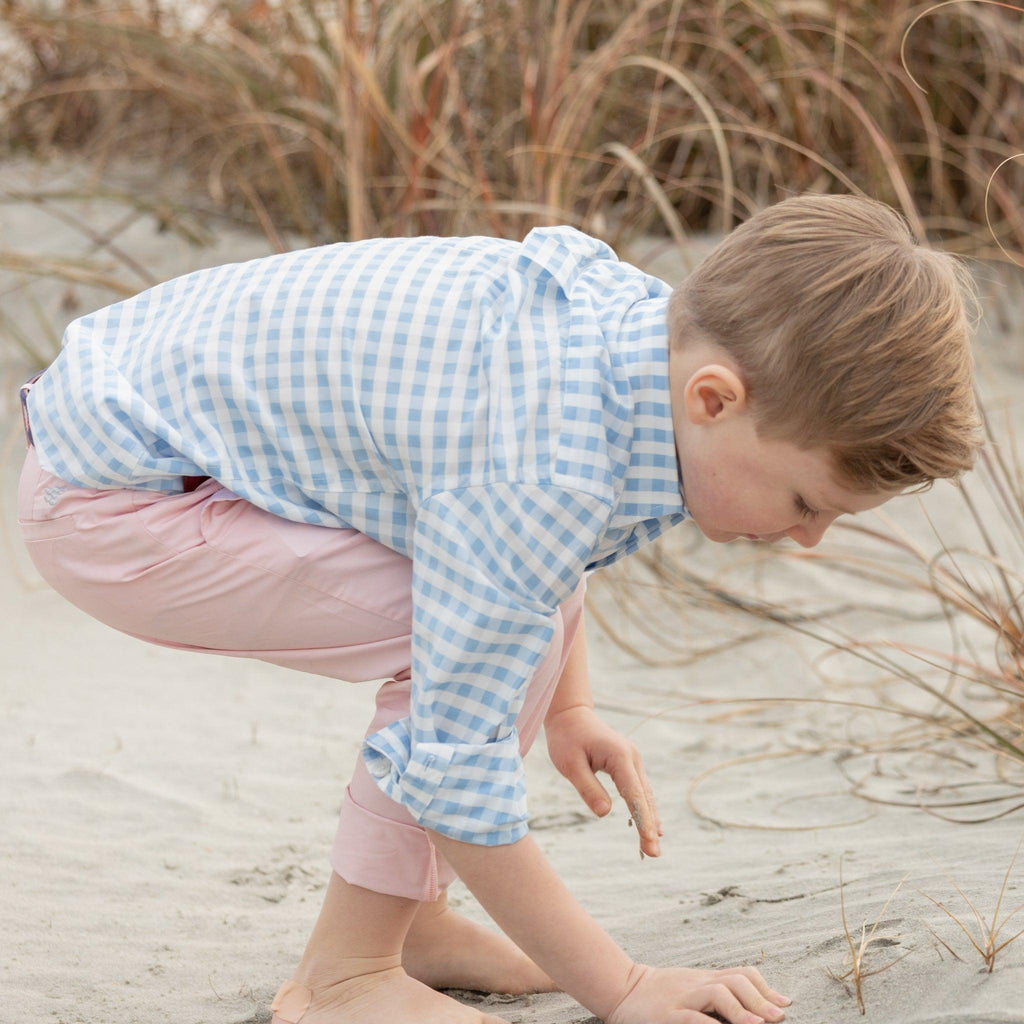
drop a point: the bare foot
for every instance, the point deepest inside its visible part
(445, 950)
(389, 995)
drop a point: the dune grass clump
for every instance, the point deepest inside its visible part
(323, 120)
(987, 944)
(349, 118)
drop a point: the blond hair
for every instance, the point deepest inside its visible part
(849, 336)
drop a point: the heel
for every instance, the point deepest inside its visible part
(291, 1003)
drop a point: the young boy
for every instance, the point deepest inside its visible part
(401, 458)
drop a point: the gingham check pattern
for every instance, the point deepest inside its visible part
(496, 411)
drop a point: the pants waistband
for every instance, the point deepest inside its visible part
(23, 395)
(189, 483)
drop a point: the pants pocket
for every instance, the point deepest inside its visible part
(38, 496)
(369, 584)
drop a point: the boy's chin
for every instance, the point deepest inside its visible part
(718, 536)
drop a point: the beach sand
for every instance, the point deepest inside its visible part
(165, 817)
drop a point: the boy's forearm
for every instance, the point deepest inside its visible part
(522, 892)
(517, 886)
(573, 689)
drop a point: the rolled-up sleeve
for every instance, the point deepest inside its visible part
(491, 565)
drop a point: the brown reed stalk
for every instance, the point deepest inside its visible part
(859, 951)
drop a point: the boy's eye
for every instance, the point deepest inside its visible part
(806, 512)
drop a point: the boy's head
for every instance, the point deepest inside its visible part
(819, 359)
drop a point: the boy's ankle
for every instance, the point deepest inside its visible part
(318, 972)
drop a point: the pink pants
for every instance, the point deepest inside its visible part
(205, 570)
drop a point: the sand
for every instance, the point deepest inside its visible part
(165, 818)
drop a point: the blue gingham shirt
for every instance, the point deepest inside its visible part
(496, 411)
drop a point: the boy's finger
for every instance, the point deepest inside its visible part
(760, 984)
(723, 1001)
(628, 782)
(593, 794)
(756, 1001)
(649, 790)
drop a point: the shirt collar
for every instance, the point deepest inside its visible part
(652, 498)
(653, 485)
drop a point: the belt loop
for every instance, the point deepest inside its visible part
(23, 395)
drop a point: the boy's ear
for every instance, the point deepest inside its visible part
(712, 393)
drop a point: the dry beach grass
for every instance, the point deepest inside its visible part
(343, 119)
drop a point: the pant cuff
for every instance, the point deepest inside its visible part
(386, 856)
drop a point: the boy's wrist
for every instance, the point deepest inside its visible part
(553, 712)
(637, 974)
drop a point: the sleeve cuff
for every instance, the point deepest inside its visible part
(475, 793)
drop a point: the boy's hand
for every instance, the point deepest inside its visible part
(676, 995)
(579, 745)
